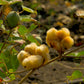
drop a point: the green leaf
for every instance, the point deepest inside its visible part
(1, 56)
(1, 64)
(7, 52)
(76, 74)
(16, 1)
(69, 77)
(22, 30)
(1, 22)
(10, 70)
(1, 44)
(12, 76)
(81, 53)
(2, 74)
(28, 9)
(32, 39)
(3, 2)
(14, 62)
(72, 54)
(11, 39)
(83, 79)
(77, 54)
(35, 5)
(39, 39)
(22, 46)
(26, 18)
(31, 28)
(10, 57)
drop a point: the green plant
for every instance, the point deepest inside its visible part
(33, 53)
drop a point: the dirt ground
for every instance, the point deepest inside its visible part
(53, 73)
(58, 14)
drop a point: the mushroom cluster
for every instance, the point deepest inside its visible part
(59, 39)
(33, 56)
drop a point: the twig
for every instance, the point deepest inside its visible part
(73, 57)
(18, 72)
(28, 74)
(5, 65)
(59, 57)
(66, 81)
(14, 46)
(73, 50)
(56, 58)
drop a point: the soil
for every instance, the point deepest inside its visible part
(53, 73)
(58, 14)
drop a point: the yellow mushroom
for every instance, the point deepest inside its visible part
(22, 55)
(44, 52)
(31, 48)
(51, 34)
(67, 43)
(61, 34)
(32, 62)
(54, 38)
(56, 45)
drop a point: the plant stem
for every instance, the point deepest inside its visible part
(5, 65)
(28, 74)
(19, 72)
(73, 50)
(73, 57)
(59, 57)
(56, 58)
